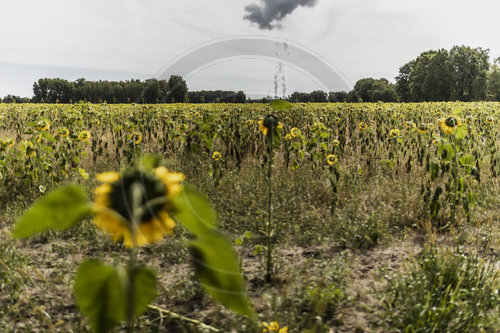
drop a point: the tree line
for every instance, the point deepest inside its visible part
(460, 74)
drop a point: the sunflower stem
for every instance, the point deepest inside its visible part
(269, 265)
(136, 194)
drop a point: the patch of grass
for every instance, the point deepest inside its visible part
(444, 291)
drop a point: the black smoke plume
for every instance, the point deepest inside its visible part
(270, 13)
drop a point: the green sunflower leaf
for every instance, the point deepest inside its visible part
(194, 211)
(100, 295)
(461, 132)
(218, 269)
(58, 210)
(281, 105)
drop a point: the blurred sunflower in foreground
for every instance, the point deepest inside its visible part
(139, 196)
(274, 327)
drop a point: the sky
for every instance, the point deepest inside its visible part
(125, 39)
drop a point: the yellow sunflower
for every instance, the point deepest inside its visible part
(449, 124)
(216, 155)
(336, 143)
(30, 150)
(7, 142)
(63, 132)
(182, 127)
(332, 159)
(288, 137)
(394, 133)
(363, 126)
(423, 128)
(294, 132)
(114, 203)
(84, 136)
(135, 138)
(490, 120)
(410, 124)
(269, 122)
(274, 327)
(42, 125)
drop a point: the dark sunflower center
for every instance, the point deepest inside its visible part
(270, 121)
(121, 195)
(451, 122)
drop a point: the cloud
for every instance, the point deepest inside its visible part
(270, 13)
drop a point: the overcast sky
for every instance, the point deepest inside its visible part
(123, 39)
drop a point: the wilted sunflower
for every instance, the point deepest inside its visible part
(449, 124)
(332, 159)
(410, 124)
(274, 327)
(114, 203)
(84, 136)
(394, 133)
(7, 142)
(135, 138)
(216, 155)
(294, 132)
(63, 132)
(30, 150)
(423, 128)
(363, 126)
(42, 125)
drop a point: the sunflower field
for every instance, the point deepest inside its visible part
(333, 215)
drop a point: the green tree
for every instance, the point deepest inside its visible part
(493, 86)
(470, 70)
(177, 89)
(372, 90)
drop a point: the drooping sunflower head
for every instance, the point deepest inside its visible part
(423, 128)
(269, 124)
(84, 136)
(363, 126)
(332, 159)
(216, 155)
(7, 142)
(449, 124)
(116, 207)
(295, 132)
(410, 124)
(29, 149)
(394, 133)
(42, 125)
(62, 132)
(135, 138)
